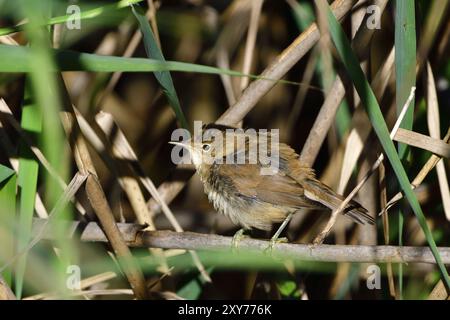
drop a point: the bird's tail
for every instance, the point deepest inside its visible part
(318, 192)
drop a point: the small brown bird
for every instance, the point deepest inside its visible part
(254, 200)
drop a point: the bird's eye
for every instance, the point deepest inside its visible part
(206, 147)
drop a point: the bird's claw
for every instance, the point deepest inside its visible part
(238, 236)
(273, 242)
(312, 246)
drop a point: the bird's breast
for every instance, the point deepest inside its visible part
(221, 194)
(219, 202)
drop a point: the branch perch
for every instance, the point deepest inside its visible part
(135, 236)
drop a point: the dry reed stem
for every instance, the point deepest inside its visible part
(96, 292)
(251, 41)
(282, 64)
(5, 291)
(8, 40)
(385, 220)
(429, 165)
(325, 44)
(433, 22)
(151, 15)
(98, 202)
(299, 101)
(323, 122)
(327, 112)
(223, 61)
(361, 124)
(415, 139)
(439, 292)
(127, 179)
(85, 283)
(227, 43)
(100, 205)
(434, 127)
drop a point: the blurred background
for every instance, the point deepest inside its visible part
(246, 36)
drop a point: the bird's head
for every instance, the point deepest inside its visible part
(213, 146)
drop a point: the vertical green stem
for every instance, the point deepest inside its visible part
(405, 69)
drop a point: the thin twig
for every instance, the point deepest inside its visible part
(251, 40)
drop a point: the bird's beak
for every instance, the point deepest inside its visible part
(182, 144)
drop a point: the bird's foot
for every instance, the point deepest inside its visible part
(238, 236)
(312, 246)
(273, 242)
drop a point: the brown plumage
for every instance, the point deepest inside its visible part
(257, 201)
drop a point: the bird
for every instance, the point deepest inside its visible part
(254, 200)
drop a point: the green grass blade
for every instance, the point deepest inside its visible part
(303, 14)
(19, 59)
(193, 288)
(45, 93)
(405, 70)
(376, 117)
(405, 62)
(28, 176)
(164, 78)
(84, 14)
(44, 88)
(349, 282)
(5, 173)
(7, 216)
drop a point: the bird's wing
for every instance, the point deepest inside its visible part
(278, 189)
(318, 192)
